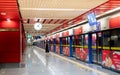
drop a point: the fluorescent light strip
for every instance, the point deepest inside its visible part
(57, 9)
(111, 11)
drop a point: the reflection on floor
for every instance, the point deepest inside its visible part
(37, 62)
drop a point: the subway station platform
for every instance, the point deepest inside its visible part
(37, 62)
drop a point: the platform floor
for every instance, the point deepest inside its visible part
(37, 62)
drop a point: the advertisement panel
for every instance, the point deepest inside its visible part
(77, 53)
(116, 60)
(58, 49)
(106, 58)
(114, 22)
(82, 54)
(111, 59)
(78, 30)
(66, 51)
(52, 49)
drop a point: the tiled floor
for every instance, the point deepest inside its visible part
(37, 62)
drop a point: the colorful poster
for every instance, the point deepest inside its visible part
(52, 48)
(66, 51)
(116, 60)
(106, 58)
(82, 54)
(111, 59)
(77, 52)
(58, 49)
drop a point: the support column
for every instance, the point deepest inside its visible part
(90, 47)
(61, 48)
(54, 45)
(71, 48)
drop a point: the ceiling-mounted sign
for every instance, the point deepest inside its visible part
(92, 19)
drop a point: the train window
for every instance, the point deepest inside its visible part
(81, 40)
(106, 38)
(64, 41)
(73, 38)
(57, 41)
(68, 40)
(85, 39)
(77, 40)
(115, 38)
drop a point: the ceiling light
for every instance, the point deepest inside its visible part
(111, 11)
(3, 13)
(54, 9)
(37, 26)
(8, 20)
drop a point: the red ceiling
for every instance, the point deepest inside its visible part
(111, 4)
(9, 7)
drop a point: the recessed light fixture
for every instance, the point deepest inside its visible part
(3, 13)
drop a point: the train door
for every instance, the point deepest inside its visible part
(66, 49)
(57, 45)
(84, 51)
(96, 48)
(74, 41)
(99, 48)
(63, 44)
(52, 45)
(79, 47)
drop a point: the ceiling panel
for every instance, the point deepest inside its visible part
(53, 12)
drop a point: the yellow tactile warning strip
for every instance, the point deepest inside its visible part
(80, 65)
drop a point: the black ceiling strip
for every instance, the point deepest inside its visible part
(28, 21)
(56, 21)
(44, 21)
(50, 21)
(38, 20)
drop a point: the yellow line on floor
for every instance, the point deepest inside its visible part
(80, 65)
